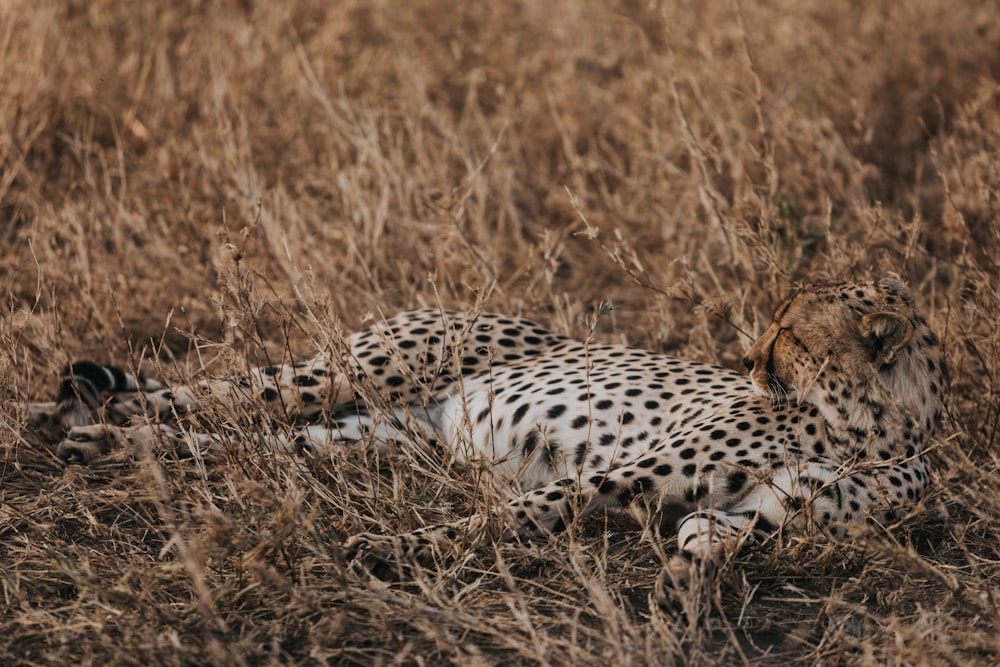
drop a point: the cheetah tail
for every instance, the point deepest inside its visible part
(84, 386)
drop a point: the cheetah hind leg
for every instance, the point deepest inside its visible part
(90, 392)
(83, 444)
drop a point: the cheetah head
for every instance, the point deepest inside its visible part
(842, 346)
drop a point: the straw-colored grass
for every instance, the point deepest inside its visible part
(191, 186)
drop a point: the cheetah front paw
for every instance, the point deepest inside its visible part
(83, 444)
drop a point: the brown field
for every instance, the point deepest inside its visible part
(186, 186)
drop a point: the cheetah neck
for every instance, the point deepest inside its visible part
(888, 415)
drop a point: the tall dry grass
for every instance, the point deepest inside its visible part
(189, 186)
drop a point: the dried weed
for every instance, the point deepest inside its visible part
(199, 186)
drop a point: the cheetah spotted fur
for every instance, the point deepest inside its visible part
(843, 392)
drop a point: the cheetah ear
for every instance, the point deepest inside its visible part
(885, 334)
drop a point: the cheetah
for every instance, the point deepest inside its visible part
(826, 429)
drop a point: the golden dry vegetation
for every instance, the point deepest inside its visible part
(189, 185)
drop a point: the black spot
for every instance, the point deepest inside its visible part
(308, 397)
(736, 481)
(519, 413)
(555, 411)
(689, 470)
(642, 485)
(530, 443)
(271, 370)
(305, 381)
(602, 484)
(603, 405)
(697, 493)
(580, 422)
(394, 380)
(764, 526)
(663, 470)
(269, 394)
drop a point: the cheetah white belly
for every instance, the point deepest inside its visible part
(556, 416)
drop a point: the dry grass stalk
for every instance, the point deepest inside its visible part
(199, 187)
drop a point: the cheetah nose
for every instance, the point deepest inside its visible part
(748, 362)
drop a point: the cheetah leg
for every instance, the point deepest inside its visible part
(379, 432)
(91, 392)
(818, 495)
(85, 443)
(734, 506)
(296, 393)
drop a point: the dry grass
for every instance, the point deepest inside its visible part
(197, 183)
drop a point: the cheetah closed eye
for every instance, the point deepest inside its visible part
(844, 389)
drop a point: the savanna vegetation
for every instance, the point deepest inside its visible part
(191, 187)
